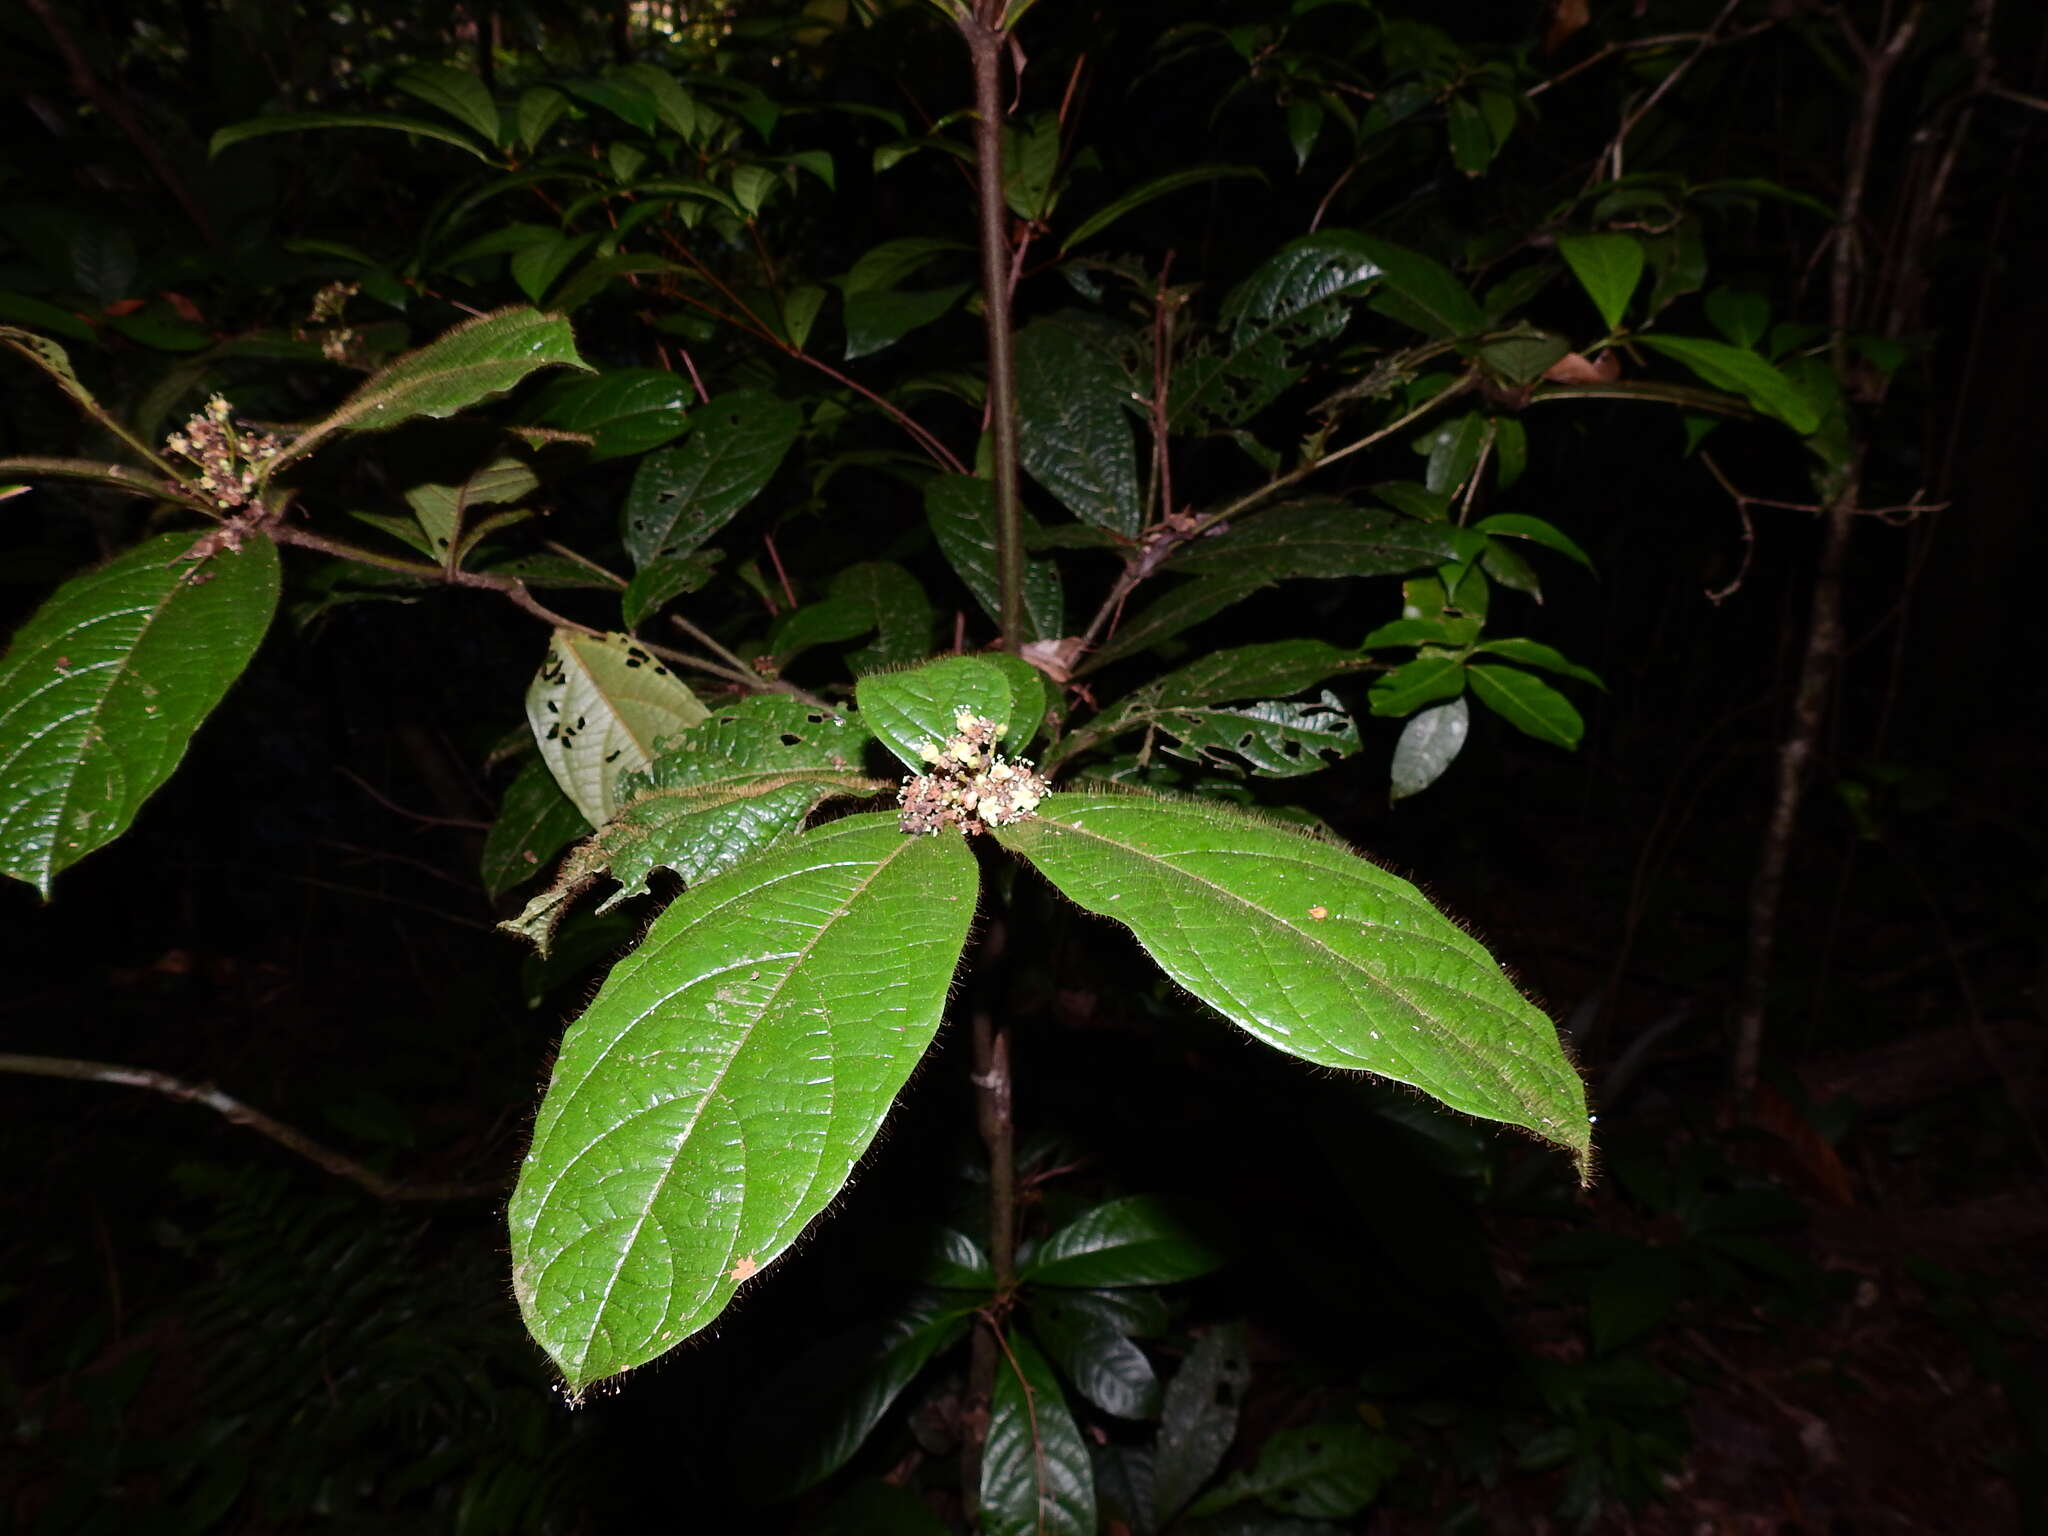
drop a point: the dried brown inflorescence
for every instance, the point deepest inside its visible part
(230, 457)
(971, 785)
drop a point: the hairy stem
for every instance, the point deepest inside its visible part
(985, 44)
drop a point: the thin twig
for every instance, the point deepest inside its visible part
(398, 810)
(233, 1109)
(586, 562)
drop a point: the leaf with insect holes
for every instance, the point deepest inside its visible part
(1277, 738)
(479, 358)
(1072, 432)
(102, 688)
(1311, 949)
(716, 1094)
(683, 495)
(918, 707)
(600, 706)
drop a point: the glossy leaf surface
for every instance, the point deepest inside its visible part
(1035, 1474)
(910, 709)
(962, 512)
(1322, 539)
(1430, 742)
(1527, 703)
(1092, 1352)
(101, 690)
(1138, 1240)
(600, 706)
(716, 1094)
(1313, 950)
(1200, 1418)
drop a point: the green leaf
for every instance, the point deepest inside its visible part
(1744, 372)
(1422, 681)
(746, 776)
(1073, 436)
(102, 688)
(535, 267)
(888, 264)
(826, 622)
(896, 609)
(1276, 738)
(535, 822)
(1104, 1366)
(455, 91)
(1608, 267)
(1430, 742)
(914, 708)
(1424, 293)
(673, 105)
(961, 510)
(539, 108)
(681, 496)
(1138, 1240)
(1302, 275)
(660, 583)
(23, 309)
(1741, 316)
(809, 1420)
(1035, 1474)
(1270, 670)
(1453, 448)
(717, 1093)
(1520, 360)
(1527, 703)
(624, 411)
(1534, 653)
(623, 99)
(300, 122)
(1158, 187)
(479, 358)
(879, 319)
(1516, 525)
(1200, 1418)
(1315, 1472)
(1031, 158)
(443, 510)
(1181, 608)
(1319, 539)
(599, 707)
(1311, 949)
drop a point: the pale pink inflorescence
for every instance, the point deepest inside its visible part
(971, 785)
(230, 457)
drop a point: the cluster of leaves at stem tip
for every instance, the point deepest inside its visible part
(737, 1063)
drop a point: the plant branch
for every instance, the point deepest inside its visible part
(233, 1109)
(985, 44)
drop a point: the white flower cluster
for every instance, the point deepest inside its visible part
(229, 458)
(971, 785)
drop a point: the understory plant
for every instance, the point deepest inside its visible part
(851, 796)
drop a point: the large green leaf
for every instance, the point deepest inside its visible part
(895, 608)
(1316, 1471)
(479, 358)
(1268, 670)
(1312, 949)
(1303, 275)
(600, 706)
(911, 709)
(808, 1421)
(1157, 187)
(1072, 431)
(1035, 1475)
(1321, 539)
(681, 496)
(1420, 291)
(535, 822)
(624, 411)
(1137, 1240)
(878, 319)
(102, 688)
(718, 1091)
(962, 512)
(1528, 704)
(462, 95)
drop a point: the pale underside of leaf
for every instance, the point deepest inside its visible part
(1312, 949)
(717, 1093)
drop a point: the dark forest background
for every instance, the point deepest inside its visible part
(1813, 1307)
